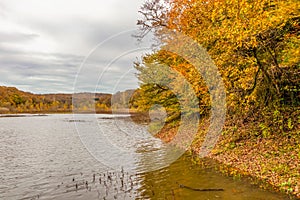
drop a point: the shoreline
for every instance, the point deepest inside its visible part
(272, 163)
(132, 114)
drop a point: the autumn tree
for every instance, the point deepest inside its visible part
(255, 45)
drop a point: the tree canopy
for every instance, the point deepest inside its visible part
(255, 45)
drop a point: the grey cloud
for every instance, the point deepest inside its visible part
(15, 37)
(31, 72)
(108, 73)
(82, 35)
(75, 37)
(2, 9)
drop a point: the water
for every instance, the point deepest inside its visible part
(43, 157)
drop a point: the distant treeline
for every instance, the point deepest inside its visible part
(13, 100)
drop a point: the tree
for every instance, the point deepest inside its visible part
(255, 45)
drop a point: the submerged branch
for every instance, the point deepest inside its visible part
(201, 189)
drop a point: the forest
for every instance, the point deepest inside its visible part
(13, 100)
(255, 46)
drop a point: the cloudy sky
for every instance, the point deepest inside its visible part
(53, 46)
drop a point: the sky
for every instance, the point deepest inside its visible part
(66, 46)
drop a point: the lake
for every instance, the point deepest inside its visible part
(62, 156)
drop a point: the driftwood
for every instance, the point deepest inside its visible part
(201, 189)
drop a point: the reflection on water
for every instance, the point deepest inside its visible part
(119, 142)
(165, 184)
(42, 157)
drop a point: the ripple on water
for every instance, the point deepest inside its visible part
(43, 158)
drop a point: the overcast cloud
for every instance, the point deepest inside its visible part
(43, 45)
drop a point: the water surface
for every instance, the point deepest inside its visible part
(42, 157)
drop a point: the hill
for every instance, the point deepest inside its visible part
(13, 100)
